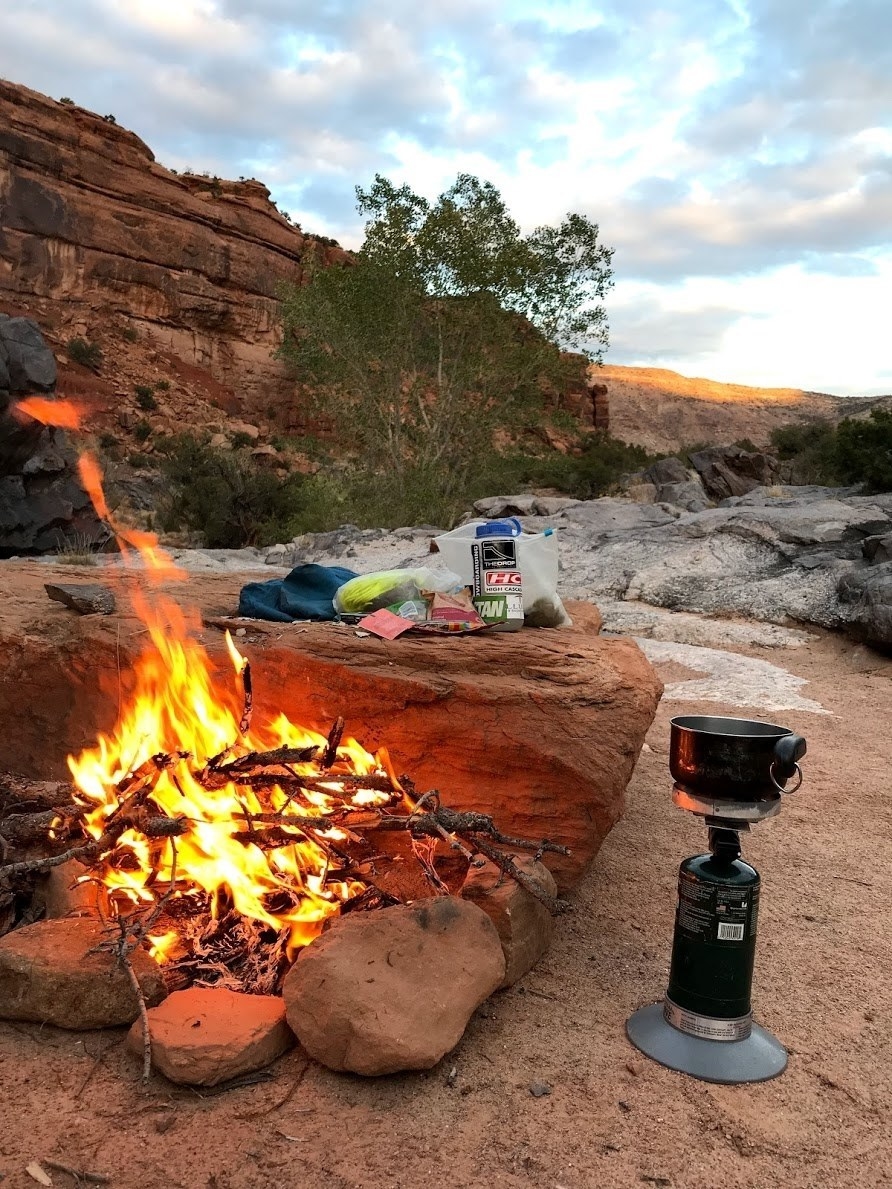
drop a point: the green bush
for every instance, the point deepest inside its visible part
(108, 441)
(162, 385)
(811, 449)
(142, 431)
(240, 440)
(227, 498)
(864, 451)
(145, 397)
(139, 462)
(67, 100)
(85, 353)
(130, 334)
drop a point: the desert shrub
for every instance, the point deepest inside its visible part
(85, 353)
(145, 397)
(599, 466)
(139, 462)
(811, 449)
(162, 385)
(110, 119)
(240, 440)
(108, 441)
(864, 451)
(142, 430)
(67, 100)
(130, 334)
(225, 497)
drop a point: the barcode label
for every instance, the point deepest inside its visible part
(729, 932)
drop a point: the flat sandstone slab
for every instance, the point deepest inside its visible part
(206, 1035)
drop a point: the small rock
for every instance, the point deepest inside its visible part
(206, 1035)
(540, 1089)
(394, 989)
(496, 506)
(250, 431)
(64, 896)
(51, 973)
(524, 924)
(85, 598)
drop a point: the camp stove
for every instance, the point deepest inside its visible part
(733, 774)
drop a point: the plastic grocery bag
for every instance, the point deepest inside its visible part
(536, 557)
(386, 588)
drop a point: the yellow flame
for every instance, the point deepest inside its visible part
(178, 709)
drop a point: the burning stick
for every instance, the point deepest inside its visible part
(330, 755)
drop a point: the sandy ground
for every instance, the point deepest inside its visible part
(612, 1118)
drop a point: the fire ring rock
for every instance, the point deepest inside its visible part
(206, 1035)
(394, 989)
(52, 973)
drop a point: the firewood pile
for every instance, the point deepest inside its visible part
(42, 826)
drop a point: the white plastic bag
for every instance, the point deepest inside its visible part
(537, 560)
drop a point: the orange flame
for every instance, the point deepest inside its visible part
(176, 711)
(62, 413)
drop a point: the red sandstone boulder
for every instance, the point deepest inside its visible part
(391, 990)
(523, 923)
(540, 728)
(207, 1035)
(52, 973)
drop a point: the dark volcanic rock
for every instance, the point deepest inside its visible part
(86, 598)
(42, 502)
(29, 364)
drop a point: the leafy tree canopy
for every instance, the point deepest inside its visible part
(446, 327)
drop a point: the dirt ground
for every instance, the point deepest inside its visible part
(612, 1118)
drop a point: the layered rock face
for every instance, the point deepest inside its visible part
(95, 227)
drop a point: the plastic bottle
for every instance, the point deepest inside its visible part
(497, 584)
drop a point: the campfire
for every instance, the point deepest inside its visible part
(221, 835)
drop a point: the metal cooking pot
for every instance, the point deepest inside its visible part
(733, 757)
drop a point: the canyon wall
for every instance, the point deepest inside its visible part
(97, 237)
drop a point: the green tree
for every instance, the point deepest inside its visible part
(445, 328)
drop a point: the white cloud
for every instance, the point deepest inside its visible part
(732, 151)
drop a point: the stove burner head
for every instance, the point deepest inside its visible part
(737, 814)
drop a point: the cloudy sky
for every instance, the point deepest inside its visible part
(737, 154)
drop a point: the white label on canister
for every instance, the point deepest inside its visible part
(706, 1027)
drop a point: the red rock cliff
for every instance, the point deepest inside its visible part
(96, 231)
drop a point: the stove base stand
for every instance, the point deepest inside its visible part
(758, 1058)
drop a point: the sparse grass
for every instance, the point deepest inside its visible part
(162, 385)
(77, 550)
(130, 334)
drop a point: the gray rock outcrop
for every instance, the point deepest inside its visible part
(43, 505)
(814, 555)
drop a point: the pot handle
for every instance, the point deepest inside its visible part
(788, 750)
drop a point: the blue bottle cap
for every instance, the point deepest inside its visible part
(500, 528)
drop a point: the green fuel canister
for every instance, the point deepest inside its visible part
(714, 944)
